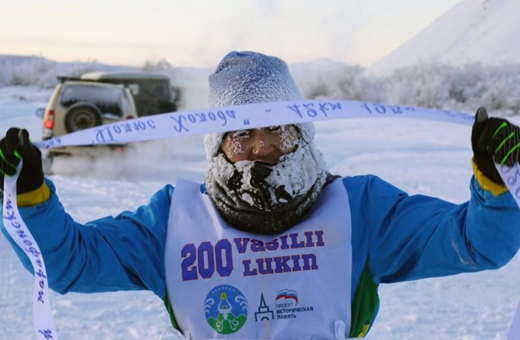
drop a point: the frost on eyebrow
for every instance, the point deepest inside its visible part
(289, 137)
(234, 141)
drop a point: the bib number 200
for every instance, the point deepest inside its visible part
(205, 259)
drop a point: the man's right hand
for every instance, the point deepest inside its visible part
(13, 147)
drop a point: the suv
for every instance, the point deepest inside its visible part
(153, 93)
(78, 105)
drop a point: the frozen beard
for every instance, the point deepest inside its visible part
(267, 198)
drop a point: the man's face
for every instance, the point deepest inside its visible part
(264, 144)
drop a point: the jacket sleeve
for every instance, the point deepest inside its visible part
(125, 252)
(412, 237)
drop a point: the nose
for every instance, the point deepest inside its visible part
(262, 145)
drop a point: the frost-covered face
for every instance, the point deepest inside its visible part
(265, 180)
(264, 144)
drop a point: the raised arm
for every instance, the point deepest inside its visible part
(412, 237)
(125, 252)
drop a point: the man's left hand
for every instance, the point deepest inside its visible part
(494, 140)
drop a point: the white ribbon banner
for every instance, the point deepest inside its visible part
(178, 124)
(13, 222)
(514, 332)
(232, 118)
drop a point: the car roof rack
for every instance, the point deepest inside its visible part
(122, 75)
(63, 79)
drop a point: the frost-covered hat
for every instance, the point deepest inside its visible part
(248, 78)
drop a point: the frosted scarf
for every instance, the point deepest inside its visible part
(267, 198)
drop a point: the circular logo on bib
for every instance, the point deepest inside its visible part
(225, 309)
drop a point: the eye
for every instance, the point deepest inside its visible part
(277, 128)
(239, 134)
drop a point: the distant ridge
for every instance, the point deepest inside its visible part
(21, 58)
(15, 60)
(21, 70)
(485, 31)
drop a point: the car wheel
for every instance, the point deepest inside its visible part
(80, 117)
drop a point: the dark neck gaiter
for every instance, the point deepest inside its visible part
(266, 198)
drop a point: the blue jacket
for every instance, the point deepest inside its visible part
(395, 237)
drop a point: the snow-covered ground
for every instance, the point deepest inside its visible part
(417, 156)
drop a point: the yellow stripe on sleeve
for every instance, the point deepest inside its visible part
(34, 197)
(487, 184)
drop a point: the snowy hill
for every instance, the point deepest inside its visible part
(483, 31)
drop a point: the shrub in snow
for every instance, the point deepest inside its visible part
(38, 71)
(6, 73)
(31, 71)
(326, 78)
(162, 66)
(444, 86)
(159, 66)
(433, 85)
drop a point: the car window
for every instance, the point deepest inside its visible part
(134, 88)
(159, 89)
(151, 96)
(107, 99)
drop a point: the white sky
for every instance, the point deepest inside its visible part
(200, 32)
